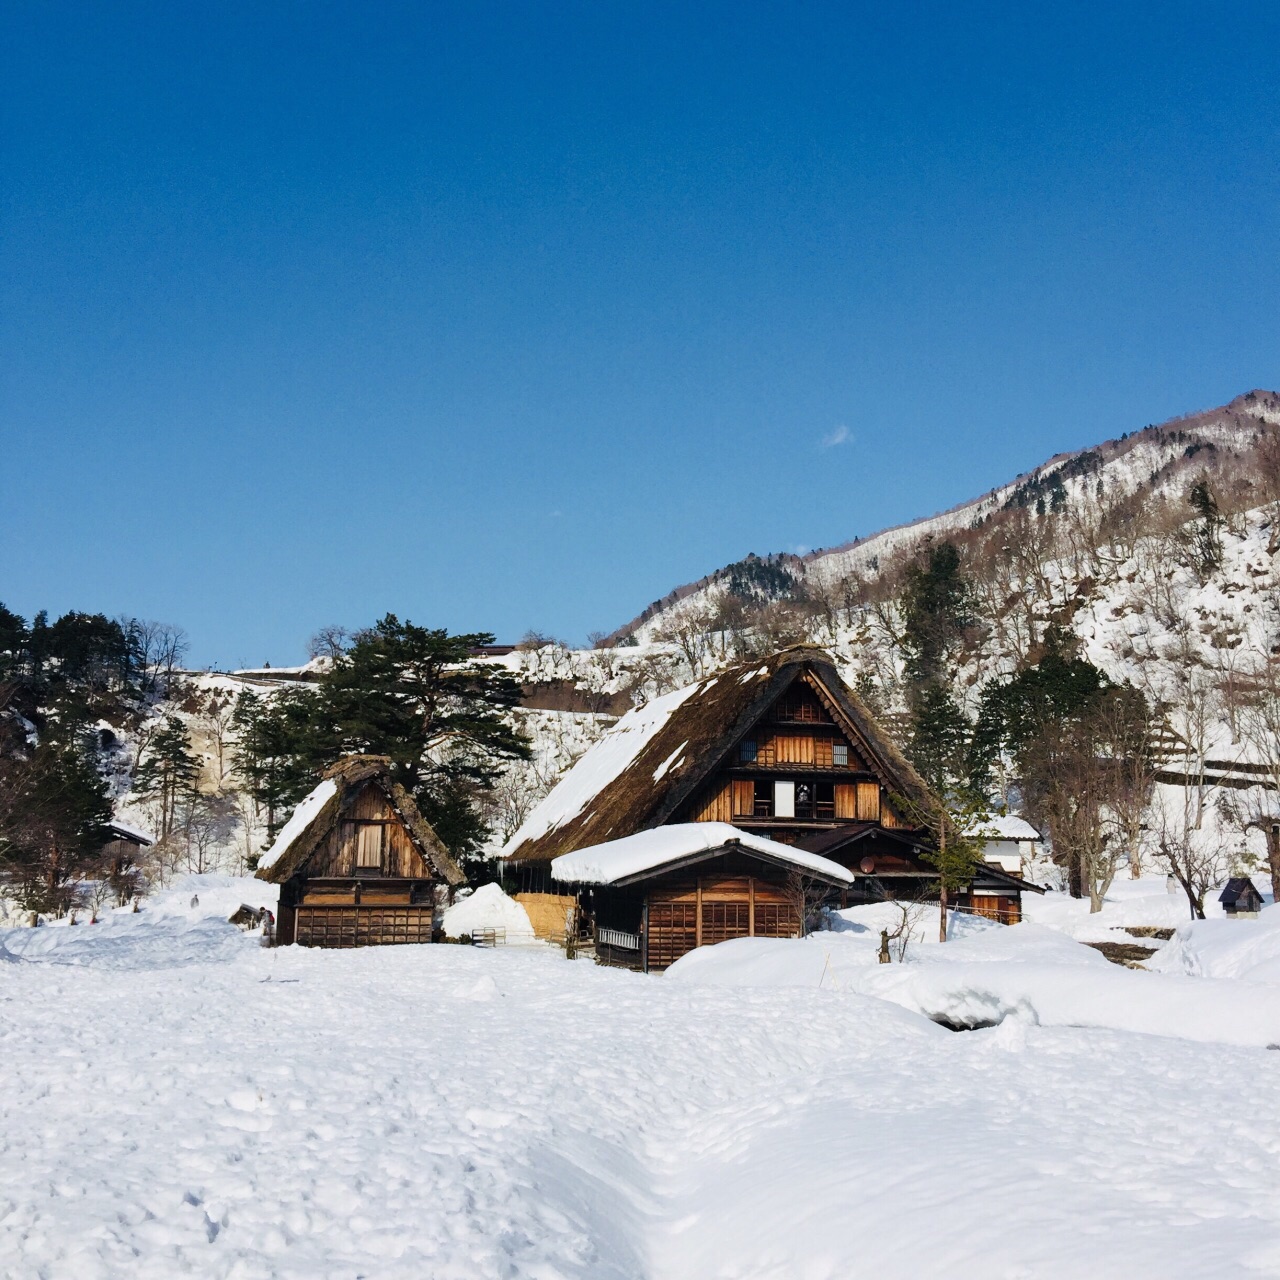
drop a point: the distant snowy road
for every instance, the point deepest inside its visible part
(439, 1112)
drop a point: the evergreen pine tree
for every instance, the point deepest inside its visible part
(169, 772)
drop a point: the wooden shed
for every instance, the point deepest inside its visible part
(1240, 897)
(357, 864)
(655, 896)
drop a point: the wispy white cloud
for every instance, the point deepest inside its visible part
(841, 435)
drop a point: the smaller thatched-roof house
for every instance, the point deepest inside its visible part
(357, 864)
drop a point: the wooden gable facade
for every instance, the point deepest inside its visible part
(358, 865)
(802, 766)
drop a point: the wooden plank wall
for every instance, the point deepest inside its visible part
(718, 806)
(814, 750)
(363, 926)
(701, 911)
(400, 858)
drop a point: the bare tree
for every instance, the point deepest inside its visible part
(160, 647)
(690, 630)
(206, 826)
(331, 641)
(806, 896)
(1193, 856)
(909, 916)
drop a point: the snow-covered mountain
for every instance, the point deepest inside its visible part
(1158, 459)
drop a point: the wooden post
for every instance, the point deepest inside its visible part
(942, 887)
(697, 937)
(751, 906)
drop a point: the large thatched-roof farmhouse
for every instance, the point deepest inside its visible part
(780, 749)
(357, 864)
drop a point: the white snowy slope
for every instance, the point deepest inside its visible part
(614, 860)
(449, 1112)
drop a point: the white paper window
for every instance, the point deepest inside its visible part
(369, 845)
(784, 799)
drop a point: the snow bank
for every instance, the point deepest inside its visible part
(401, 1112)
(167, 932)
(487, 908)
(646, 850)
(1106, 995)
(299, 822)
(1244, 949)
(1145, 902)
(1035, 973)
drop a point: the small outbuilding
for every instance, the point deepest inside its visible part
(656, 895)
(1240, 897)
(1008, 841)
(357, 864)
(121, 853)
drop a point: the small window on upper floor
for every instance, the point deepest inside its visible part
(747, 752)
(840, 754)
(363, 845)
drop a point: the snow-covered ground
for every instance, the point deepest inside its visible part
(176, 1100)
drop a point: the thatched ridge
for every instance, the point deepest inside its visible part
(679, 754)
(288, 857)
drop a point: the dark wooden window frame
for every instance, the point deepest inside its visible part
(357, 868)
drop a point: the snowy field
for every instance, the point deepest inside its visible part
(177, 1101)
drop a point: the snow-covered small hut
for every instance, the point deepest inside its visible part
(357, 864)
(658, 894)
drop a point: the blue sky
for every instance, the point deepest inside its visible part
(518, 316)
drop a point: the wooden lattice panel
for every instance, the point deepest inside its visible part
(776, 920)
(363, 926)
(673, 931)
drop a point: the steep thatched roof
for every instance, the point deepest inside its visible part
(655, 758)
(316, 816)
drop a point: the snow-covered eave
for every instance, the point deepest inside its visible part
(129, 832)
(301, 818)
(663, 849)
(1008, 827)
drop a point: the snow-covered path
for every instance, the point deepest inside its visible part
(447, 1112)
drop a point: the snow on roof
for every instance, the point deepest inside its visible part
(130, 832)
(1009, 827)
(669, 761)
(299, 822)
(599, 766)
(647, 850)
